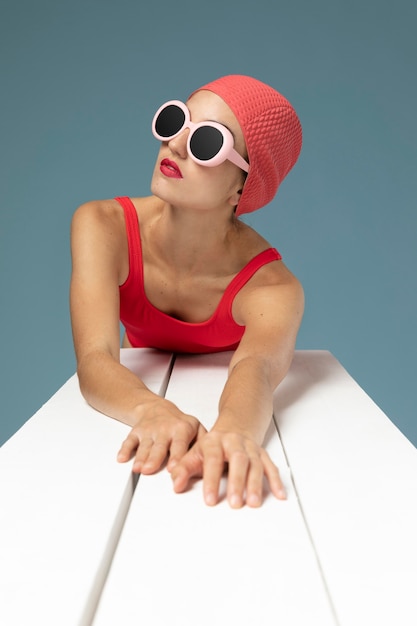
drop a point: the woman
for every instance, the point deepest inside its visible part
(184, 274)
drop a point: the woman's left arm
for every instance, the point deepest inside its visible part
(272, 315)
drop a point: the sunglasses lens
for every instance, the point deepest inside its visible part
(206, 142)
(170, 121)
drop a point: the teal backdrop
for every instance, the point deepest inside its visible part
(80, 81)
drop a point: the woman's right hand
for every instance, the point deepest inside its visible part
(162, 430)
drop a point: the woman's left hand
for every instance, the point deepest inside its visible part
(247, 464)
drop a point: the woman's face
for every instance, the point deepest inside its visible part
(196, 186)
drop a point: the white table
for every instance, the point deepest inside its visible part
(63, 500)
(82, 544)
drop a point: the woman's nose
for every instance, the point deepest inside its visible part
(178, 145)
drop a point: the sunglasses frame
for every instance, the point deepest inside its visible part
(226, 152)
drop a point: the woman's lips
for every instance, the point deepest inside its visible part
(170, 169)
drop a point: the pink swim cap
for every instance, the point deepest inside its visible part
(272, 133)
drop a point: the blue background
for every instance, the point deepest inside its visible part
(80, 81)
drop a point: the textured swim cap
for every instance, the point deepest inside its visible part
(272, 133)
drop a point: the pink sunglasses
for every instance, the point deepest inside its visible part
(208, 143)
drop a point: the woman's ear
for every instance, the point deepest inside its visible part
(235, 197)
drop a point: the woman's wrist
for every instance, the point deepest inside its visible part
(228, 422)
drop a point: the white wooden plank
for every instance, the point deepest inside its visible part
(63, 499)
(180, 562)
(356, 476)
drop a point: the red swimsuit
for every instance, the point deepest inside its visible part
(147, 326)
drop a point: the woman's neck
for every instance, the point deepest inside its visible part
(193, 239)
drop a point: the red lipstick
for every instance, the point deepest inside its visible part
(170, 169)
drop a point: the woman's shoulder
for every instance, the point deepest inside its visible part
(272, 273)
(98, 212)
(109, 213)
(273, 283)
(99, 226)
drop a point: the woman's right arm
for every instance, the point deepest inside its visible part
(99, 261)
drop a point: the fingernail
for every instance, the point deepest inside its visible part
(282, 494)
(254, 500)
(235, 501)
(171, 465)
(210, 498)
